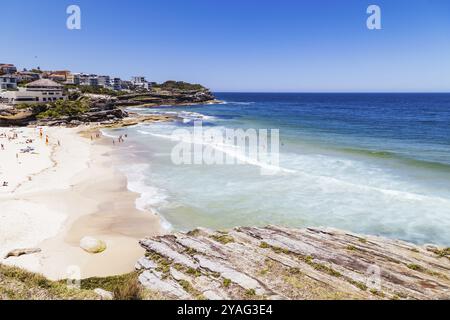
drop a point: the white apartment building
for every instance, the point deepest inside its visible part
(73, 78)
(94, 80)
(140, 82)
(89, 80)
(40, 91)
(139, 79)
(27, 76)
(104, 81)
(8, 82)
(116, 84)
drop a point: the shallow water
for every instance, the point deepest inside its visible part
(369, 163)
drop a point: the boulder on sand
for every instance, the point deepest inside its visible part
(92, 245)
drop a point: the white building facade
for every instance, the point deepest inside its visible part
(8, 82)
(140, 82)
(40, 91)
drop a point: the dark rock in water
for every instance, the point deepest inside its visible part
(282, 263)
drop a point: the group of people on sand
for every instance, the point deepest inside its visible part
(10, 137)
(41, 134)
(121, 139)
(13, 135)
(97, 136)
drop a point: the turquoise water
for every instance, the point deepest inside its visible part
(370, 163)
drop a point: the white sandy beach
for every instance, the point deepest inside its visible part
(59, 192)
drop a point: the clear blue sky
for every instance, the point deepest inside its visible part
(239, 45)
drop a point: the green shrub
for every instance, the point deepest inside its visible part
(63, 108)
(179, 85)
(226, 282)
(130, 290)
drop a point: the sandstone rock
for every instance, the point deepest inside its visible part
(92, 245)
(177, 275)
(21, 252)
(283, 263)
(211, 295)
(167, 286)
(103, 294)
(144, 263)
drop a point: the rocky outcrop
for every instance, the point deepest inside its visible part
(281, 263)
(103, 294)
(160, 98)
(106, 117)
(22, 252)
(14, 117)
(101, 110)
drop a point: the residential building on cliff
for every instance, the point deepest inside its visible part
(88, 79)
(58, 76)
(27, 76)
(40, 91)
(74, 78)
(140, 82)
(104, 81)
(7, 68)
(8, 82)
(117, 84)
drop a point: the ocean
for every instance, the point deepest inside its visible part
(369, 163)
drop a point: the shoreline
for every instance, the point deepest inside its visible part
(73, 191)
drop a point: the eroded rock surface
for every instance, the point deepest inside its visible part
(21, 252)
(281, 263)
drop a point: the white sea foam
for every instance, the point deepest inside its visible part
(230, 150)
(238, 103)
(187, 116)
(109, 134)
(151, 198)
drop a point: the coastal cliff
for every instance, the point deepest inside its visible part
(88, 104)
(282, 263)
(166, 98)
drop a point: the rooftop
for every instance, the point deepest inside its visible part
(43, 83)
